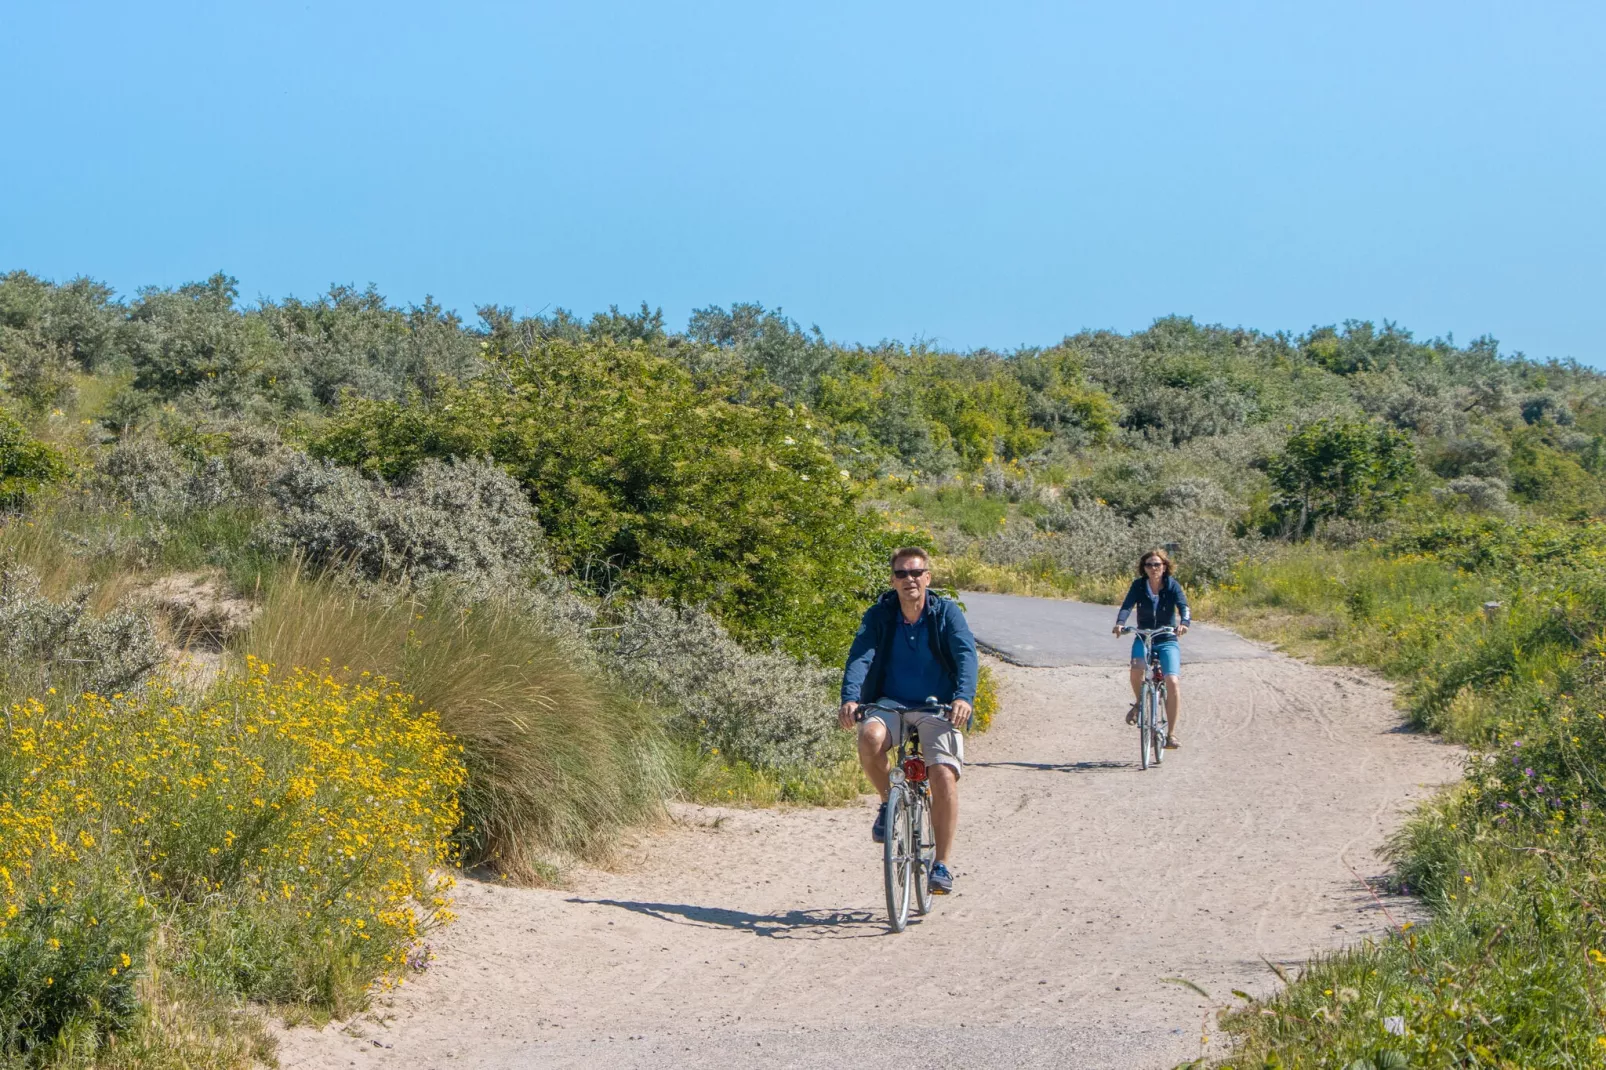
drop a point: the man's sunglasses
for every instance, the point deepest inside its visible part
(909, 573)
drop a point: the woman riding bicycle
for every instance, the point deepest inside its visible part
(1158, 598)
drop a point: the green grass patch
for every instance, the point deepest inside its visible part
(965, 509)
(1509, 971)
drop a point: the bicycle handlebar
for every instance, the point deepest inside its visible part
(1147, 632)
(931, 705)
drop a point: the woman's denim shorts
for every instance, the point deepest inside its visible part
(1170, 655)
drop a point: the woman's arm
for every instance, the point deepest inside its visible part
(1182, 602)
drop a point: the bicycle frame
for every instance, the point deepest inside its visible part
(910, 848)
(1152, 722)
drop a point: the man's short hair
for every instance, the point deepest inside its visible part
(908, 551)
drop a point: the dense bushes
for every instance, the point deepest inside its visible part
(649, 481)
(26, 464)
(46, 645)
(763, 709)
(462, 517)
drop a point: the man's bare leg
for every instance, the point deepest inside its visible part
(873, 755)
(944, 807)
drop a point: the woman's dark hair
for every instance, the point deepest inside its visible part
(1156, 552)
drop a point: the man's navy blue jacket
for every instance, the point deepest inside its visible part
(865, 673)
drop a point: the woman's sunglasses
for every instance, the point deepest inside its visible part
(1154, 564)
(909, 573)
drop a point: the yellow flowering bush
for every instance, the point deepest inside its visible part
(291, 828)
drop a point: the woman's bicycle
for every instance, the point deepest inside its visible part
(910, 848)
(1152, 727)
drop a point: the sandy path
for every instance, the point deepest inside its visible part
(755, 938)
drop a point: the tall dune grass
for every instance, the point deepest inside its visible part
(558, 761)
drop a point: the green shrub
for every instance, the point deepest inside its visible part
(987, 704)
(644, 477)
(1512, 970)
(70, 965)
(765, 709)
(65, 645)
(26, 464)
(1340, 468)
(465, 518)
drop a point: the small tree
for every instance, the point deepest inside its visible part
(1336, 467)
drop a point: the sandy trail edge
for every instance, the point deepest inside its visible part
(756, 938)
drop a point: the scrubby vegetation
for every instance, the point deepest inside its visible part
(561, 570)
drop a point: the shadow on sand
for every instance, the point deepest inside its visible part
(792, 925)
(1052, 767)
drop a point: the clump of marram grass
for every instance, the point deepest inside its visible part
(559, 760)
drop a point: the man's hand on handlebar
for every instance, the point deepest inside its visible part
(960, 713)
(845, 716)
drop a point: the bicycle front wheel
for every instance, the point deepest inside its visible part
(1145, 724)
(925, 841)
(897, 858)
(1162, 728)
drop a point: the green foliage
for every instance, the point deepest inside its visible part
(1543, 475)
(987, 703)
(63, 975)
(642, 477)
(65, 645)
(189, 337)
(1340, 468)
(1510, 972)
(467, 518)
(959, 506)
(26, 464)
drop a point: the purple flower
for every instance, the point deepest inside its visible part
(1505, 806)
(1528, 772)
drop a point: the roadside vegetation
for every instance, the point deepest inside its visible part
(375, 592)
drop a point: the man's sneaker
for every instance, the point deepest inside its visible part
(942, 882)
(878, 831)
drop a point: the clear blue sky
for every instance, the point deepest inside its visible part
(969, 173)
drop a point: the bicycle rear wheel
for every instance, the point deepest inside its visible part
(925, 840)
(897, 859)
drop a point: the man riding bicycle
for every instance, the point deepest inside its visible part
(912, 645)
(1158, 598)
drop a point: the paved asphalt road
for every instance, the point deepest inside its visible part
(1053, 632)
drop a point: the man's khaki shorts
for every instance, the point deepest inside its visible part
(940, 741)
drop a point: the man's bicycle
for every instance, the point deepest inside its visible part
(1152, 727)
(910, 849)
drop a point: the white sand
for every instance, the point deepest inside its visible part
(757, 937)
